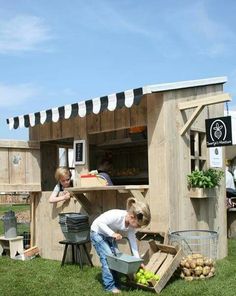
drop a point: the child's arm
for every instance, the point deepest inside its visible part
(133, 243)
(58, 195)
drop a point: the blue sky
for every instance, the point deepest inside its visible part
(59, 52)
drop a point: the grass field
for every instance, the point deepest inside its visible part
(46, 277)
(38, 277)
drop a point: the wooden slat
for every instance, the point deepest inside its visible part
(191, 119)
(165, 265)
(208, 100)
(122, 118)
(93, 123)
(67, 128)
(19, 144)
(138, 113)
(155, 261)
(17, 166)
(56, 130)
(20, 187)
(107, 121)
(4, 169)
(45, 132)
(33, 173)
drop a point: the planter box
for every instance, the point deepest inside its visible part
(202, 192)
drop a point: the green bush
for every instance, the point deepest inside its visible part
(209, 178)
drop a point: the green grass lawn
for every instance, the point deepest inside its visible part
(46, 277)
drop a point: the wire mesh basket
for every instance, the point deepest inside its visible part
(196, 241)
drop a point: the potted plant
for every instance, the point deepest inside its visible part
(202, 184)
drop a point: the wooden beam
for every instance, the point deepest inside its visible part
(191, 119)
(221, 98)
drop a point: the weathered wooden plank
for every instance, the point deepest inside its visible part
(45, 132)
(122, 118)
(56, 129)
(67, 128)
(32, 168)
(138, 113)
(93, 123)
(155, 261)
(20, 187)
(107, 121)
(19, 144)
(208, 100)
(17, 166)
(4, 169)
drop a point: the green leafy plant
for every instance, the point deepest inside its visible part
(209, 178)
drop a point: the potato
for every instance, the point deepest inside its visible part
(187, 264)
(202, 276)
(182, 262)
(197, 256)
(186, 271)
(193, 264)
(198, 270)
(189, 278)
(213, 270)
(200, 262)
(206, 270)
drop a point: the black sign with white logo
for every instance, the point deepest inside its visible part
(219, 131)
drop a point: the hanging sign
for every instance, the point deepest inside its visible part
(218, 131)
(216, 158)
(79, 152)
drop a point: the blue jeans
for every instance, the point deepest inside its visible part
(103, 246)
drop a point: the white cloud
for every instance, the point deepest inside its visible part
(22, 33)
(15, 95)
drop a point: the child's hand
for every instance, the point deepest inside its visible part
(66, 195)
(117, 236)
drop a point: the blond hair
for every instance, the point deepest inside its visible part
(140, 210)
(62, 172)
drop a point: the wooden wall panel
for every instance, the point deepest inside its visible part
(138, 113)
(45, 131)
(93, 123)
(56, 130)
(33, 167)
(17, 165)
(67, 128)
(122, 118)
(107, 121)
(4, 168)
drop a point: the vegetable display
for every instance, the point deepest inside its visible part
(145, 277)
(196, 266)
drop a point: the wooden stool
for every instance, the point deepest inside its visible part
(14, 245)
(76, 251)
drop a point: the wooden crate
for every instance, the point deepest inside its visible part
(164, 260)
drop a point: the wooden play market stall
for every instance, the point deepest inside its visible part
(155, 136)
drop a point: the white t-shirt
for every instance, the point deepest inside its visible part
(114, 221)
(229, 180)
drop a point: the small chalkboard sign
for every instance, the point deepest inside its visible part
(79, 152)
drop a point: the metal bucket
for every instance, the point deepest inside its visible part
(10, 224)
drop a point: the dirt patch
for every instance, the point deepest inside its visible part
(23, 217)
